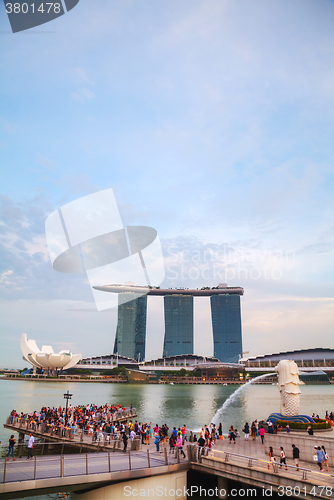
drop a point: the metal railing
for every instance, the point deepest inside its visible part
(111, 418)
(44, 427)
(197, 453)
(84, 464)
(43, 447)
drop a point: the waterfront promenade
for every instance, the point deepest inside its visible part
(47, 474)
(47, 432)
(242, 462)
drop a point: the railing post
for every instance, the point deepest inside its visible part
(35, 467)
(148, 459)
(20, 452)
(109, 461)
(250, 462)
(86, 464)
(4, 471)
(177, 455)
(43, 447)
(62, 466)
(129, 460)
(166, 458)
(304, 475)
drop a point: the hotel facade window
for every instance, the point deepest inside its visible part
(131, 327)
(226, 326)
(179, 325)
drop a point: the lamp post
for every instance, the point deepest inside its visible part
(67, 396)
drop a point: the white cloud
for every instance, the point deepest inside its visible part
(4, 277)
(83, 94)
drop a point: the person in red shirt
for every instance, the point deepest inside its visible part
(183, 430)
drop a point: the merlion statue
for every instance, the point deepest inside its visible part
(288, 384)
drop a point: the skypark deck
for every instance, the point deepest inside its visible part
(195, 292)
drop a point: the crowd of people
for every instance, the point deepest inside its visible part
(101, 422)
(88, 419)
(257, 429)
(320, 456)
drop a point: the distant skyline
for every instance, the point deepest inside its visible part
(212, 121)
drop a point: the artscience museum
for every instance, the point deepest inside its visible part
(46, 358)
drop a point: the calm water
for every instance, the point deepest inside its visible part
(193, 405)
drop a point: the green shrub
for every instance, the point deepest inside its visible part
(319, 424)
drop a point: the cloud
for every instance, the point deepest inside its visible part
(8, 127)
(81, 77)
(24, 251)
(4, 277)
(46, 162)
(83, 94)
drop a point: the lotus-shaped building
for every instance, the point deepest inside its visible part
(46, 358)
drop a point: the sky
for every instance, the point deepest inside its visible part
(212, 121)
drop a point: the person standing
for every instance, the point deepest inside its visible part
(253, 430)
(157, 442)
(231, 434)
(320, 455)
(295, 454)
(172, 443)
(11, 444)
(325, 461)
(220, 430)
(201, 444)
(149, 434)
(183, 430)
(271, 457)
(246, 431)
(125, 441)
(30, 445)
(257, 426)
(282, 458)
(262, 433)
(179, 446)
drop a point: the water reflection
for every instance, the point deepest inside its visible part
(194, 405)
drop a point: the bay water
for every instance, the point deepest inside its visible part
(193, 405)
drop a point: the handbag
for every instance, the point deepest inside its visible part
(315, 458)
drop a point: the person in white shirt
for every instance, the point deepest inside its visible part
(30, 445)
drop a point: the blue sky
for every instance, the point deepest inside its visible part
(213, 123)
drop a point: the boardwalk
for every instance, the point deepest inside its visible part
(48, 474)
(85, 471)
(48, 467)
(44, 431)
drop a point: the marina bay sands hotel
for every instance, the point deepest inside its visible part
(179, 320)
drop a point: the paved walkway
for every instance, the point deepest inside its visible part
(258, 450)
(81, 464)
